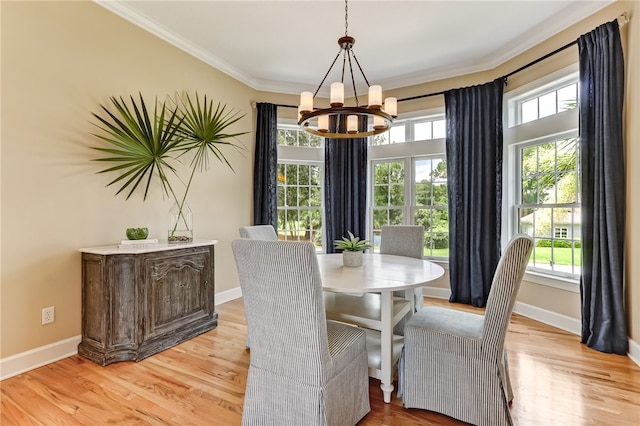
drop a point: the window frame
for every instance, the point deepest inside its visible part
(408, 152)
(304, 155)
(558, 126)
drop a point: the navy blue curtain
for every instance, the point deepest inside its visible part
(265, 166)
(345, 185)
(474, 179)
(603, 189)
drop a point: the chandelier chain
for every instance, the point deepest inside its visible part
(346, 18)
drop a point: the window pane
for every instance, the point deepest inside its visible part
(395, 217)
(396, 195)
(315, 141)
(380, 217)
(529, 191)
(381, 173)
(568, 97)
(439, 129)
(529, 161)
(287, 137)
(291, 174)
(529, 110)
(547, 104)
(381, 196)
(315, 196)
(381, 139)
(291, 196)
(314, 175)
(303, 196)
(423, 194)
(281, 200)
(397, 134)
(422, 131)
(436, 225)
(396, 172)
(430, 200)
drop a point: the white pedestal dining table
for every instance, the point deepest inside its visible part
(364, 296)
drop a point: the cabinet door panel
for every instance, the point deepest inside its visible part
(177, 291)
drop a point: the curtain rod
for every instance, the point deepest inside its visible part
(622, 19)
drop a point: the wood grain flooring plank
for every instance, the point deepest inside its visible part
(557, 381)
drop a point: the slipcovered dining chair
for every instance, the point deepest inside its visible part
(259, 232)
(455, 362)
(408, 241)
(304, 370)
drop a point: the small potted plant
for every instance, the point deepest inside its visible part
(352, 249)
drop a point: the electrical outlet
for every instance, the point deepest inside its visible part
(48, 315)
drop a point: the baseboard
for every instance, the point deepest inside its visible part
(563, 322)
(436, 292)
(560, 321)
(228, 295)
(34, 358)
(634, 352)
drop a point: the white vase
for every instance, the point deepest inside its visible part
(352, 258)
(180, 224)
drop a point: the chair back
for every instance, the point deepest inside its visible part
(259, 232)
(504, 288)
(402, 240)
(283, 299)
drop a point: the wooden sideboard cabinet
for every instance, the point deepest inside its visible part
(140, 300)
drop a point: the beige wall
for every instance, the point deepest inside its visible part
(60, 60)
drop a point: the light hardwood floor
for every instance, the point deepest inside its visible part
(557, 381)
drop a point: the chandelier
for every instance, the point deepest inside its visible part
(317, 121)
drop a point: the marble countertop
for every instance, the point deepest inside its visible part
(133, 248)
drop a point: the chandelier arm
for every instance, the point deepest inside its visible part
(360, 68)
(328, 71)
(344, 66)
(353, 80)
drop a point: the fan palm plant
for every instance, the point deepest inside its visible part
(144, 147)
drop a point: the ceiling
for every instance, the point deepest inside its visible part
(288, 46)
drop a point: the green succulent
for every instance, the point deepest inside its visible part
(352, 243)
(137, 233)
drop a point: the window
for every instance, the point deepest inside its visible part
(543, 156)
(388, 195)
(430, 204)
(421, 129)
(300, 182)
(409, 181)
(560, 232)
(549, 207)
(548, 104)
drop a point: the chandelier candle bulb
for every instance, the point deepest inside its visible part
(323, 123)
(375, 96)
(378, 122)
(306, 102)
(337, 94)
(352, 124)
(391, 106)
